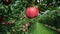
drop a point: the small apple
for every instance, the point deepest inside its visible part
(24, 26)
(24, 30)
(3, 23)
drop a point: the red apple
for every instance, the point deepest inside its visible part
(7, 2)
(3, 23)
(31, 12)
(1, 18)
